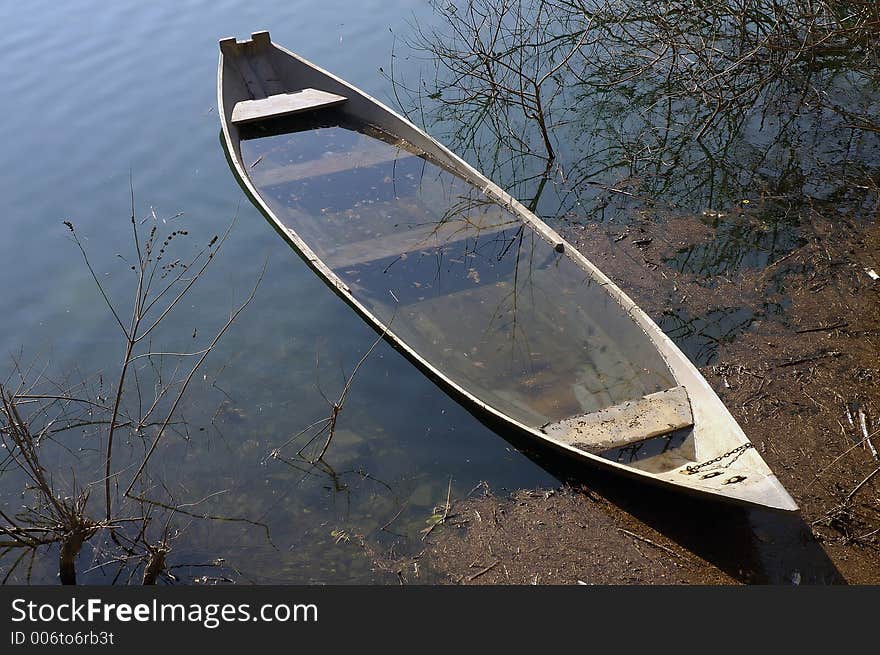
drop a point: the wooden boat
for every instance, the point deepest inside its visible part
(483, 296)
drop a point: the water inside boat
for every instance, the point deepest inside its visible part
(462, 279)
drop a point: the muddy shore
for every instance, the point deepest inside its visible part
(790, 343)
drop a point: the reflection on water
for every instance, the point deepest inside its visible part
(462, 280)
(624, 138)
(163, 131)
(691, 109)
(700, 337)
(737, 245)
(618, 112)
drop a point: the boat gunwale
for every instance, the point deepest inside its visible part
(702, 396)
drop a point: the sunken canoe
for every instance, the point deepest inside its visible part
(472, 287)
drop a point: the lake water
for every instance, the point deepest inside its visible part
(458, 277)
(96, 92)
(100, 94)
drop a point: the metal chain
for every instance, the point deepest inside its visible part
(696, 468)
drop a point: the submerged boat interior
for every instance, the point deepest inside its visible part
(469, 285)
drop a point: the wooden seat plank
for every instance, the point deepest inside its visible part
(283, 104)
(429, 235)
(627, 423)
(270, 177)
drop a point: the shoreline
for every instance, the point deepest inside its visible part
(804, 337)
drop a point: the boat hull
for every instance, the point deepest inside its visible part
(714, 433)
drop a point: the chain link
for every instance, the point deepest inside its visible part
(696, 468)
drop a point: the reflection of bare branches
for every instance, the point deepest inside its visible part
(692, 104)
(326, 426)
(702, 336)
(497, 69)
(184, 509)
(183, 386)
(55, 519)
(40, 416)
(323, 468)
(181, 276)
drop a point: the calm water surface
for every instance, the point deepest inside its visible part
(96, 92)
(461, 279)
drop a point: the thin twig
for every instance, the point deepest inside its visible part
(652, 543)
(483, 571)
